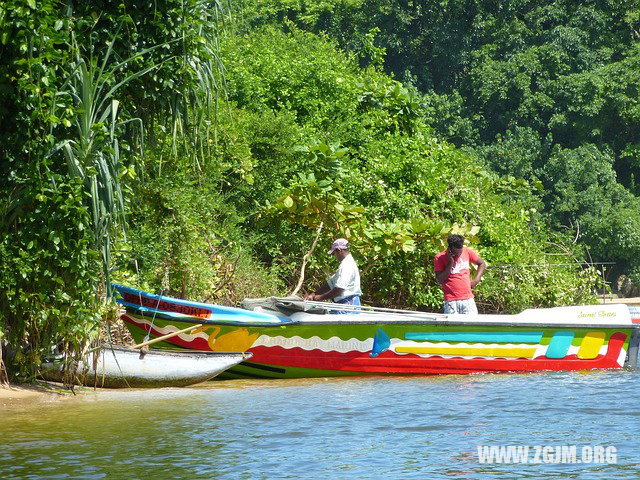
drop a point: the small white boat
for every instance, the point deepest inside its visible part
(120, 367)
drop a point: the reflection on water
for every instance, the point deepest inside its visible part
(346, 428)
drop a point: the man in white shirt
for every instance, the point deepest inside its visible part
(344, 286)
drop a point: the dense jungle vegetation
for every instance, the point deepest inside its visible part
(198, 149)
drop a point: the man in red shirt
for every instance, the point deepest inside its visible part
(452, 272)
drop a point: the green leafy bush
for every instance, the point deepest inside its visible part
(186, 241)
(49, 275)
(516, 84)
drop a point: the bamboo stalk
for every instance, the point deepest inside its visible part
(164, 337)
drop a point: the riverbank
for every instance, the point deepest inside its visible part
(624, 300)
(32, 393)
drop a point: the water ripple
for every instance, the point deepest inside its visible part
(343, 428)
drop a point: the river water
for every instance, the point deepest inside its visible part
(337, 428)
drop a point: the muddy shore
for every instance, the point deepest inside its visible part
(11, 395)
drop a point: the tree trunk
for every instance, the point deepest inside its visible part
(305, 259)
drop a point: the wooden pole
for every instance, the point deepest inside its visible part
(169, 335)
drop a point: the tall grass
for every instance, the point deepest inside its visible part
(92, 146)
(194, 108)
(93, 150)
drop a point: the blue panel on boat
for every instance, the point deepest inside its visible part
(559, 345)
(476, 337)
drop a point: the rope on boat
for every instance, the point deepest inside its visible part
(165, 284)
(115, 358)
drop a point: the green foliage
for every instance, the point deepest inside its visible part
(448, 116)
(414, 190)
(181, 97)
(579, 181)
(48, 266)
(93, 152)
(293, 81)
(31, 73)
(403, 106)
(514, 83)
(257, 153)
(540, 285)
(315, 199)
(517, 153)
(584, 194)
(186, 243)
(316, 203)
(49, 275)
(55, 99)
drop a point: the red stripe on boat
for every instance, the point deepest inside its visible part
(389, 362)
(167, 306)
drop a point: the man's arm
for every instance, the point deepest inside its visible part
(325, 293)
(323, 289)
(442, 275)
(333, 293)
(482, 265)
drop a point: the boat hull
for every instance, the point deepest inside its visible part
(297, 345)
(117, 367)
(298, 350)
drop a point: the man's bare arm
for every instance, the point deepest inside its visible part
(482, 265)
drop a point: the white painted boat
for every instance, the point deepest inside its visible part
(120, 367)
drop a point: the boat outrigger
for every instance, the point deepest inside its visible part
(292, 338)
(120, 367)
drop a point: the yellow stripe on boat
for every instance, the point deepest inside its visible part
(514, 352)
(590, 346)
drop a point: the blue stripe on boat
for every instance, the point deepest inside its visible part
(216, 317)
(559, 345)
(476, 337)
(244, 315)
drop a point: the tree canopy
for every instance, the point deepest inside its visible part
(516, 83)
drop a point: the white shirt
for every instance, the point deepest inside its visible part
(346, 277)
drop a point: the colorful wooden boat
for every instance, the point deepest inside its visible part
(291, 340)
(120, 367)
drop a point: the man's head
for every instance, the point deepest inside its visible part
(456, 243)
(339, 249)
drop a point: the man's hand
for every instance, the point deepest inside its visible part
(450, 256)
